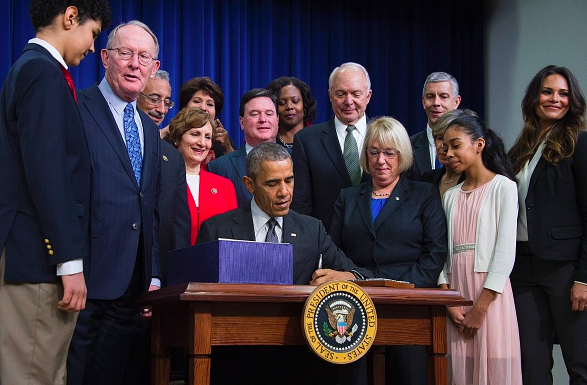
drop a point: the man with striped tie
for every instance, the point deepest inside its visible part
(326, 156)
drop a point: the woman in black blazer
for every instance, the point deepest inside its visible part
(394, 227)
(549, 278)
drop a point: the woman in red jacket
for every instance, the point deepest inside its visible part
(191, 131)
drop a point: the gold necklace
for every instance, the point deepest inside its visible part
(382, 194)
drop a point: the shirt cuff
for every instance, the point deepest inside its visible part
(70, 267)
(156, 282)
(582, 283)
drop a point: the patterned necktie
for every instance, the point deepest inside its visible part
(133, 143)
(271, 234)
(351, 156)
(69, 81)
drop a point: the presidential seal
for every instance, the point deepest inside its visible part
(339, 322)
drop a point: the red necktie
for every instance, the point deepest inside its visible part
(69, 81)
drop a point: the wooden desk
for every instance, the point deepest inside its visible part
(202, 315)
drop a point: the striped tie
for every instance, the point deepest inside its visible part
(351, 156)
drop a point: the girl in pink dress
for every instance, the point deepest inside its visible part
(481, 212)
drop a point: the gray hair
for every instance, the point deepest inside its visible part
(355, 66)
(436, 77)
(112, 35)
(445, 120)
(264, 152)
(161, 74)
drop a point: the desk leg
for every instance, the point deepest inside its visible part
(437, 363)
(159, 355)
(378, 356)
(200, 370)
(201, 348)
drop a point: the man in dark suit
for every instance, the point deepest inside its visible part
(326, 156)
(440, 95)
(267, 218)
(124, 257)
(174, 219)
(44, 194)
(258, 119)
(174, 215)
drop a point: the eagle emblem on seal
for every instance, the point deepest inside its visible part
(340, 317)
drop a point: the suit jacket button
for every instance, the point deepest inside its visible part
(48, 247)
(46, 240)
(135, 226)
(529, 207)
(141, 195)
(50, 252)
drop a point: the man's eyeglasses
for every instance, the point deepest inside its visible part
(126, 54)
(156, 99)
(389, 154)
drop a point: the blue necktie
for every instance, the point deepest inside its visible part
(437, 163)
(133, 143)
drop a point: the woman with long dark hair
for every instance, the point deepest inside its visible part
(481, 213)
(549, 278)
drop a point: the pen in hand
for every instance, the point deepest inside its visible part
(320, 262)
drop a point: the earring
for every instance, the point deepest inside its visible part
(304, 112)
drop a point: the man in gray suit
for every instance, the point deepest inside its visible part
(440, 95)
(258, 119)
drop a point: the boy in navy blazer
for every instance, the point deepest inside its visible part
(44, 194)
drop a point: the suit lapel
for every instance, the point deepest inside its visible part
(150, 150)
(290, 230)
(399, 194)
(331, 145)
(364, 205)
(98, 108)
(243, 228)
(423, 157)
(239, 163)
(540, 167)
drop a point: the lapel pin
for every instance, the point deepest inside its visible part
(397, 198)
(293, 234)
(214, 191)
(165, 158)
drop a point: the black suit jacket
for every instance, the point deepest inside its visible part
(233, 166)
(556, 208)
(174, 214)
(408, 239)
(122, 213)
(44, 169)
(306, 234)
(421, 152)
(320, 171)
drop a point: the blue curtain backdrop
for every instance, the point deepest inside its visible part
(246, 44)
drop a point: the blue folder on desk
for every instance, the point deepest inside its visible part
(232, 261)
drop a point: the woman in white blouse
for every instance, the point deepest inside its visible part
(549, 278)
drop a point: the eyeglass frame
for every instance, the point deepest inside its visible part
(167, 102)
(389, 154)
(132, 55)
